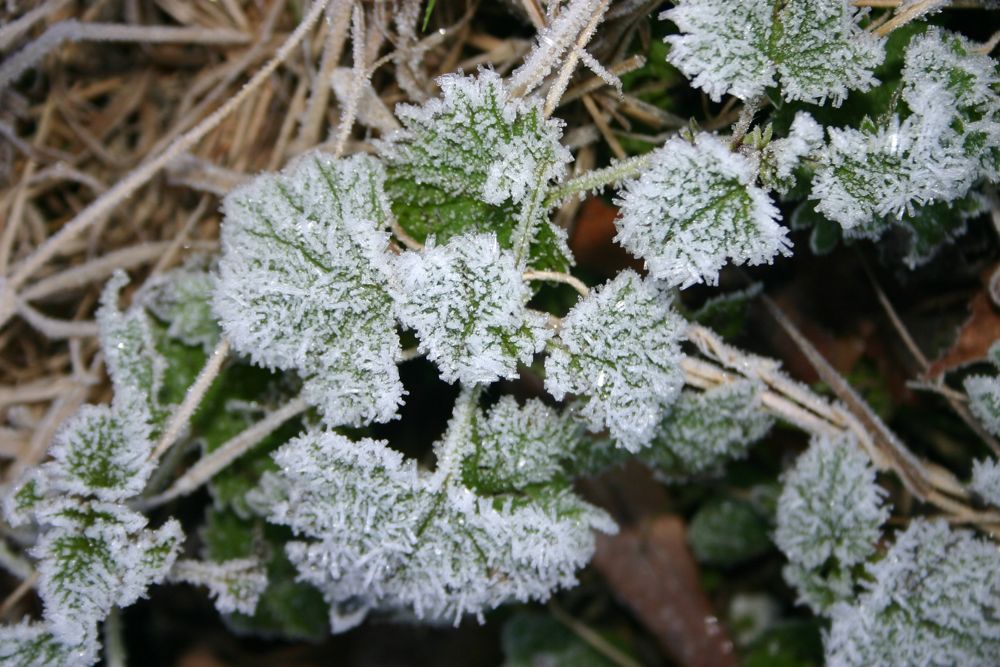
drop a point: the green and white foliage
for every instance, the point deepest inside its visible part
(93, 553)
(33, 644)
(478, 160)
(696, 207)
(933, 600)
(946, 143)
(302, 283)
(814, 49)
(781, 157)
(986, 480)
(183, 298)
(704, 430)
(235, 585)
(619, 350)
(378, 533)
(829, 517)
(466, 300)
(984, 394)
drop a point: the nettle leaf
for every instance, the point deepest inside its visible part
(815, 49)
(727, 532)
(830, 506)
(183, 299)
(94, 557)
(931, 226)
(33, 645)
(620, 349)
(235, 585)
(384, 535)
(986, 480)
(467, 302)
(302, 283)
(518, 446)
(478, 160)
(781, 157)
(984, 400)
(102, 451)
(933, 600)
(948, 141)
(703, 430)
(694, 208)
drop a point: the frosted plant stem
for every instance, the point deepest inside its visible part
(910, 13)
(210, 465)
(13, 30)
(338, 15)
(192, 399)
(562, 80)
(73, 30)
(558, 277)
(115, 654)
(745, 120)
(358, 78)
(54, 329)
(135, 179)
(598, 178)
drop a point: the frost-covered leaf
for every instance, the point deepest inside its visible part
(518, 446)
(101, 451)
(703, 430)
(986, 480)
(619, 348)
(477, 160)
(984, 400)
(728, 532)
(94, 557)
(820, 590)
(949, 140)
(933, 600)
(235, 585)
(814, 48)
(183, 299)
(34, 645)
(830, 506)
(466, 300)
(781, 157)
(695, 208)
(931, 226)
(302, 283)
(383, 535)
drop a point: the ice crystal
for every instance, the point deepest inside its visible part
(478, 160)
(302, 283)
(949, 140)
(830, 506)
(466, 300)
(235, 585)
(933, 600)
(382, 534)
(703, 430)
(694, 208)
(986, 480)
(814, 48)
(619, 349)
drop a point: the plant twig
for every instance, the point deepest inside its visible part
(558, 277)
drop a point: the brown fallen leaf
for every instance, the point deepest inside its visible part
(651, 570)
(974, 338)
(592, 240)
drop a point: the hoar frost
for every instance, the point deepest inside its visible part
(694, 208)
(815, 48)
(619, 348)
(466, 300)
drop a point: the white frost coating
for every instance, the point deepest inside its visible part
(33, 645)
(620, 349)
(986, 480)
(815, 48)
(235, 585)
(782, 156)
(830, 506)
(950, 140)
(383, 535)
(694, 208)
(933, 600)
(302, 283)
(466, 300)
(984, 400)
(517, 446)
(183, 299)
(94, 557)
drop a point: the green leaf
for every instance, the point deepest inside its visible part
(728, 532)
(532, 639)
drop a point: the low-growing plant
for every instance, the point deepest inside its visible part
(281, 356)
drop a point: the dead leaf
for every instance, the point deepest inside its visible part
(975, 336)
